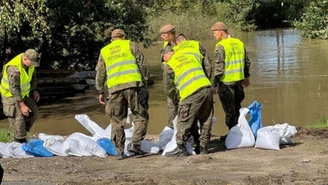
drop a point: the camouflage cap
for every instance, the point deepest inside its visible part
(167, 49)
(118, 33)
(167, 28)
(219, 26)
(33, 56)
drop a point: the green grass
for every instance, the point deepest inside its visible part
(320, 124)
(5, 135)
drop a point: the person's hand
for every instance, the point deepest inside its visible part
(36, 96)
(25, 110)
(246, 82)
(101, 99)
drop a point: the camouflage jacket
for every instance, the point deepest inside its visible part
(101, 72)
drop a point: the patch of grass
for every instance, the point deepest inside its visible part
(5, 135)
(320, 124)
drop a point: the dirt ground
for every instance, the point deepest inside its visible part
(305, 162)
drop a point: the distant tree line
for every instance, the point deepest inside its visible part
(70, 33)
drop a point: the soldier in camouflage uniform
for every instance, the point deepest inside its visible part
(189, 46)
(168, 36)
(18, 80)
(185, 74)
(122, 66)
(231, 72)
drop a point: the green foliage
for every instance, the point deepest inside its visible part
(68, 33)
(22, 25)
(194, 18)
(237, 13)
(313, 23)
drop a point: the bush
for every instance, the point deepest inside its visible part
(194, 18)
(313, 23)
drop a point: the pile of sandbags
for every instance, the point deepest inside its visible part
(251, 133)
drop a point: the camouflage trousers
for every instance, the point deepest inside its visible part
(231, 97)
(117, 106)
(198, 106)
(19, 123)
(172, 111)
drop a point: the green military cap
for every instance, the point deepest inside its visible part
(167, 28)
(118, 33)
(33, 56)
(219, 26)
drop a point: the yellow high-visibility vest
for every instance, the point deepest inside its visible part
(121, 66)
(165, 44)
(234, 59)
(189, 47)
(25, 78)
(189, 74)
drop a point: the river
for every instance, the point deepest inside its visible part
(288, 76)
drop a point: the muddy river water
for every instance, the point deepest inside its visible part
(289, 76)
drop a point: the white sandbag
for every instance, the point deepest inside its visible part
(87, 143)
(149, 147)
(173, 143)
(94, 128)
(289, 132)
(16, 151)
(241, 134)
(55, 146)
(4, 150)
(129, 132)
(165, 137)
(269, 138)
(91, 126)
(73, 147)
(108, 131)
(43, 136)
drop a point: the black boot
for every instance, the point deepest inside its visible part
(177, 152)
(136, 149)
(20, 140)
(223, 138)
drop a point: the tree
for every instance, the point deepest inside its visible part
(68, 33)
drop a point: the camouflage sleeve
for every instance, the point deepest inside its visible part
(34, 81)
(14, 82)
(162, 55)
(141, 62)
(247, 65)
(219, 64)
(207, 66)
(100, 74)
(168, 82)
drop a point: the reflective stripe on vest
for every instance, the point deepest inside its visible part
(189, 47)
(234, 59)
(25, 78)
(189, 74)
(120, 63)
